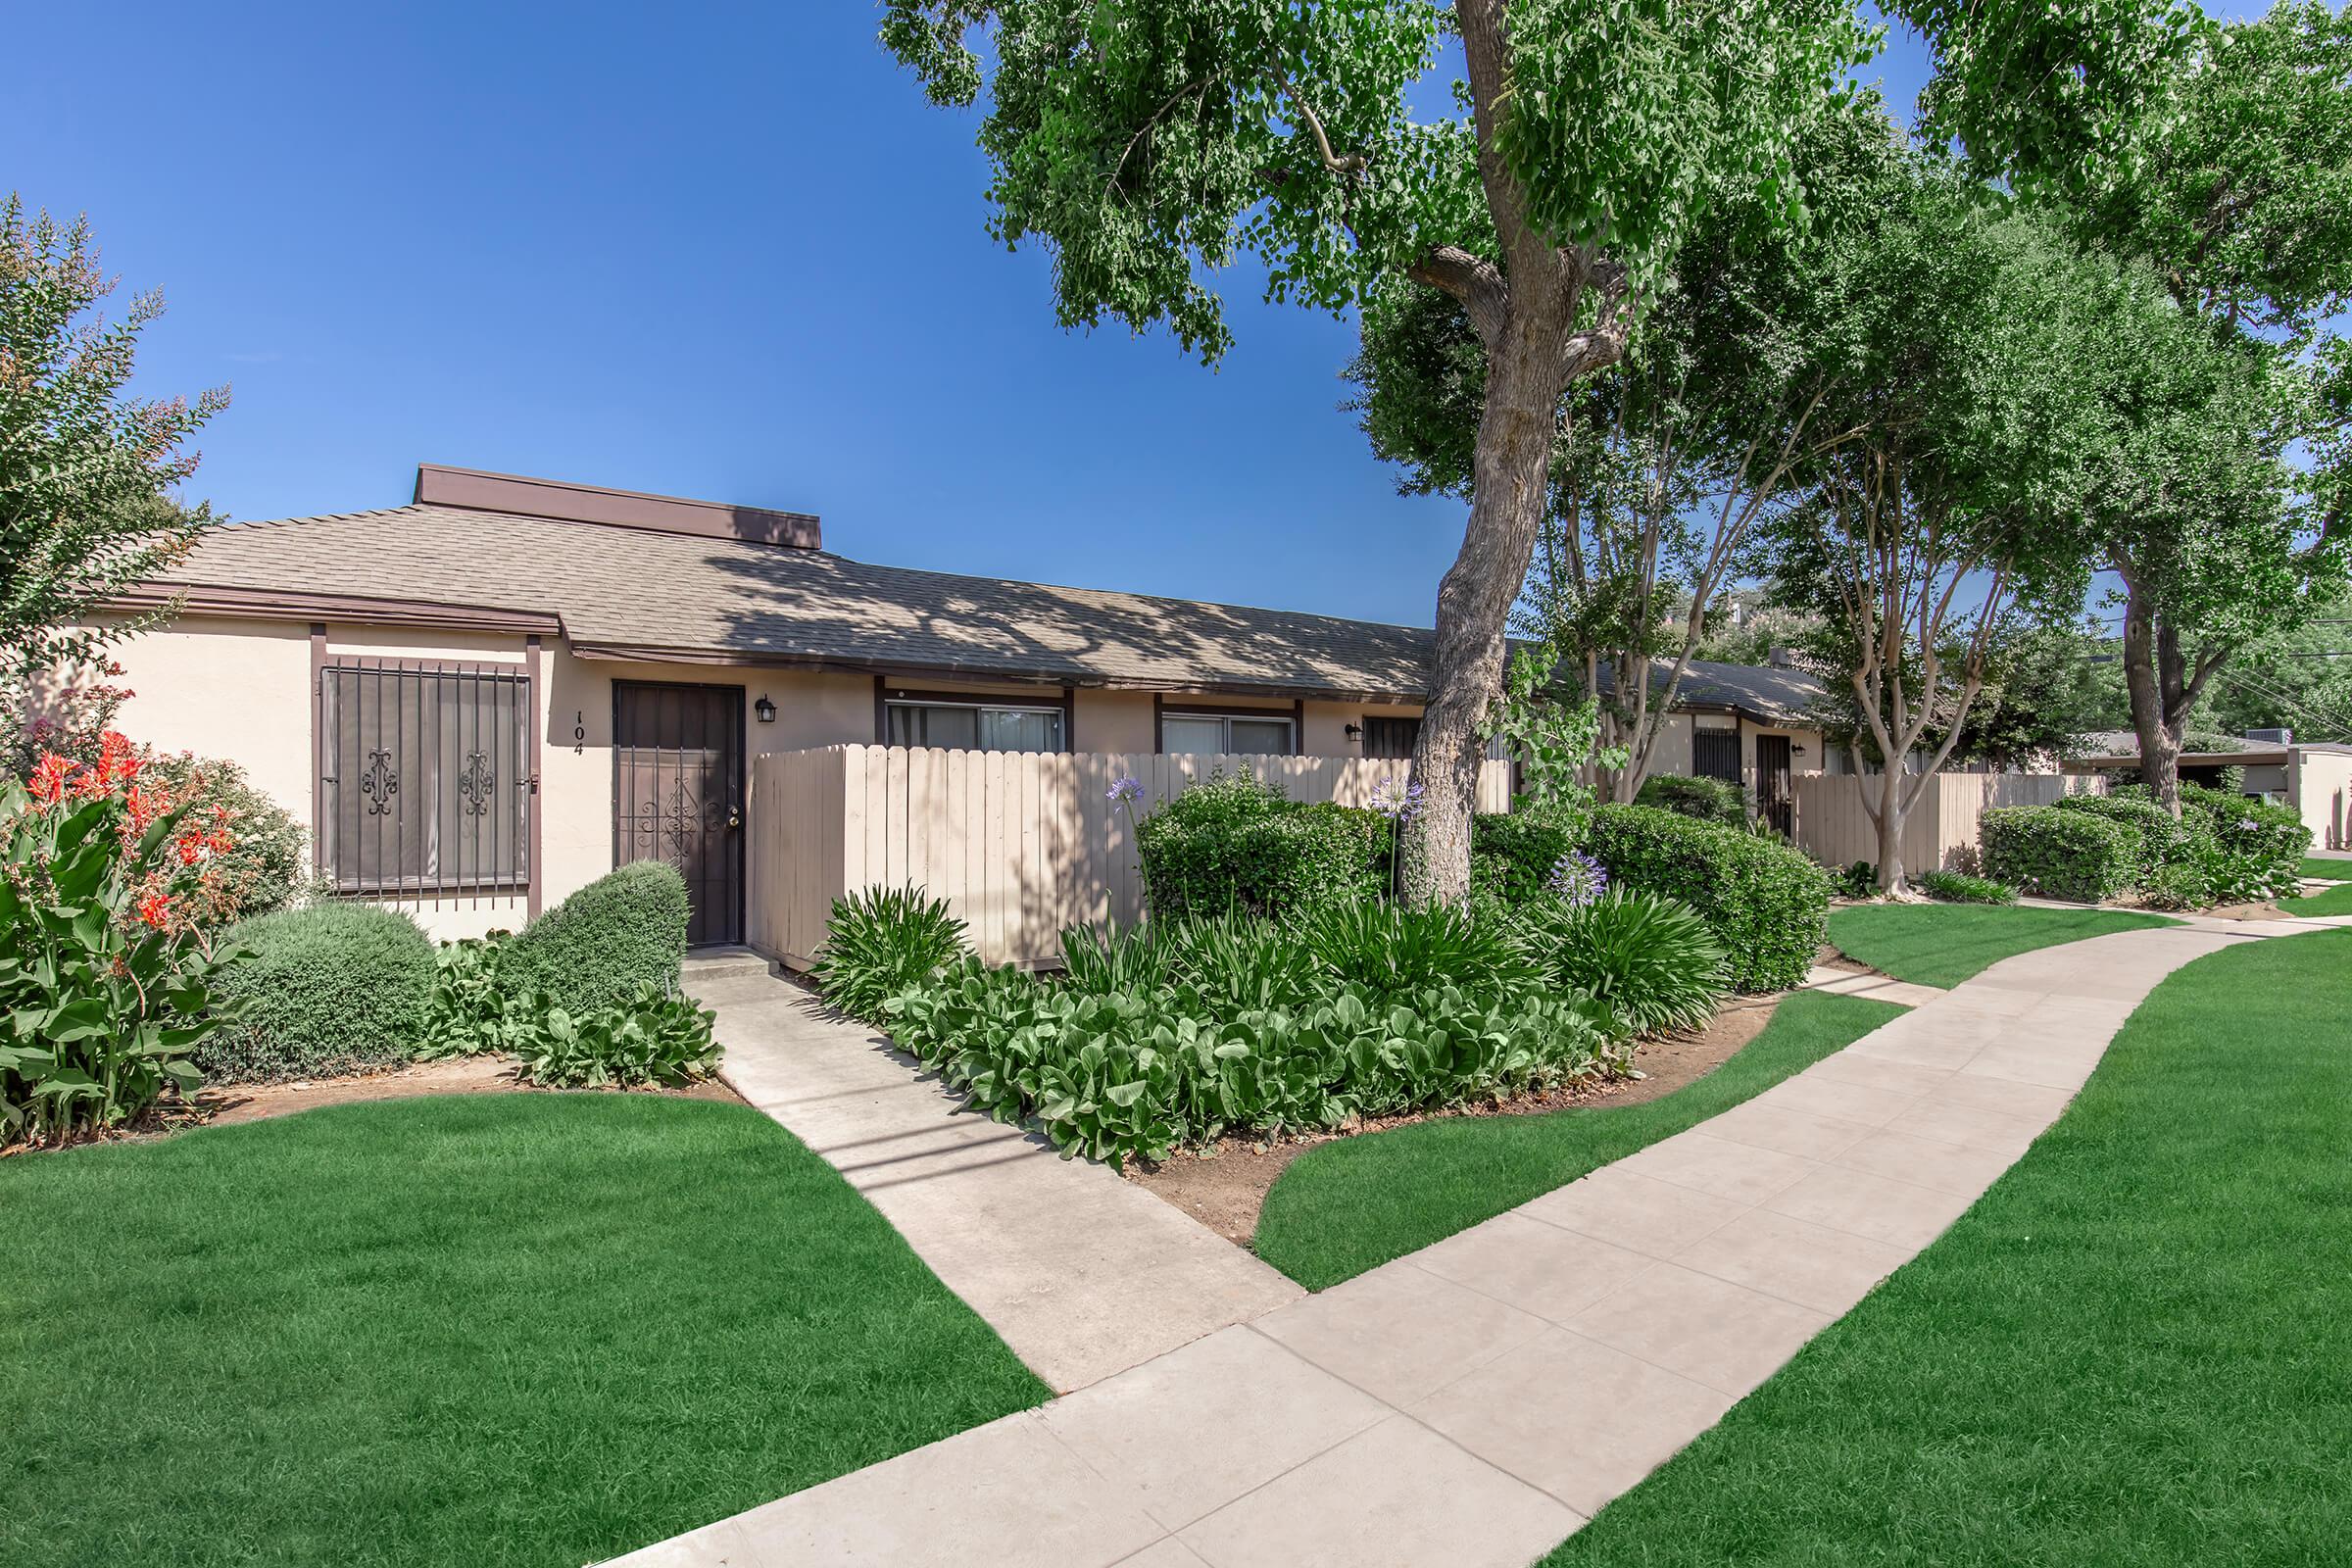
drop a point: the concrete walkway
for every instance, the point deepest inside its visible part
(1475, 1403)
(1082, 1273)
(1869, 984)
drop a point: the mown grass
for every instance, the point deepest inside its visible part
(1944, 944)
(2327, 900)
(1355, 1203)
(494, 1330)
(2326, 869)
(2131, 1351)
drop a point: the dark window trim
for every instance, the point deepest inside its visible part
(978, 702)
(399, 889)
(1264, 715)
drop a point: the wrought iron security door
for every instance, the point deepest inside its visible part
(677, 793)
(1774, 791)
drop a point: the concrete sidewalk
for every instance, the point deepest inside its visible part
(1082, 1273)
(1475, 1403)
(1870, 985)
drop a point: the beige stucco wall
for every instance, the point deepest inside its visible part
(240, 688)
(2320, 787)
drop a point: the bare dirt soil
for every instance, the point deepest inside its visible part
(1225, 1185)
(228, 1104)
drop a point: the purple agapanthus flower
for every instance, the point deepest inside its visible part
(1578, 878)
(1398, 801)
(1124, 790)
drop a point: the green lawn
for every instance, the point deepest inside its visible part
(2327, 900)
(1944, 944)
(490, 1330)
(1355, 1203)
(2133, 1349)
(2331, 870)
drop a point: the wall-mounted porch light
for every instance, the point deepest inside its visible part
(765, 710)
(1355, 732)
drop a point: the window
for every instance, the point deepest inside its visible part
(1389, 737)
(424, 779)
(1201, 734)
(1715, 754)
(974, 727)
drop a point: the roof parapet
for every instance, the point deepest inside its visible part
(472, 490)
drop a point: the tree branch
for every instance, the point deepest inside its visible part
(1349, 164)
(1475, 282)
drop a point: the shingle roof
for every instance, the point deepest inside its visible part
(640, 593)
(618, 589)
(1770, 694)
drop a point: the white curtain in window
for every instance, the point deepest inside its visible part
(1013, 729)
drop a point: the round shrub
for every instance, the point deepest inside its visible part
(1650, 961)
(325, 991)
(1238, 845)
(1709, 800)
(2157, 841)
(1764, 901)
(2057, 853)
(609, 940)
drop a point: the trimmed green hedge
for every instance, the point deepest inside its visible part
(600, 947)
(325, 991)
(1513, 855)
(1709, 800)
(1238, 845)
(2057, 852)
(1765, 902)
(2157, 841)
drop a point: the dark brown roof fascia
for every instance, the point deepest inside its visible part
(279, 603)
(472, 490)
(644, 653)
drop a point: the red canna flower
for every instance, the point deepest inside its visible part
(48, 780)
(156, 910)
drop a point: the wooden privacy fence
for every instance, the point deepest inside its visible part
(1021, 844)
(1832, 826)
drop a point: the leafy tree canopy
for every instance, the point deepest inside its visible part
(84, 468)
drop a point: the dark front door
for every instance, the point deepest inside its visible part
(1772, 781)
(677, 793)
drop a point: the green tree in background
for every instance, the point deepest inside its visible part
(1950, 520)
(2242, 207)
(1667, 465)
(86, 468)
(1150, 143)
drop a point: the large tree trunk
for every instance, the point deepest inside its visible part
(2152, 709)
(1890, 833)
(1527, 319)
(1512, 464)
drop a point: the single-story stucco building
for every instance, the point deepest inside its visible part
(2314, 777)
(490, 695)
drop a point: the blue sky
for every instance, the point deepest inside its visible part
(732, 255)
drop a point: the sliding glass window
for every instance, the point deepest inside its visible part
(974, 727)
